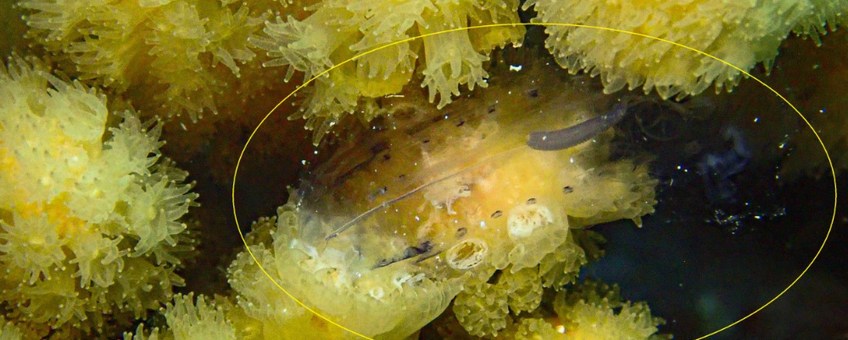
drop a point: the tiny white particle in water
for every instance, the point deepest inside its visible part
(756, 119)
(515, 68)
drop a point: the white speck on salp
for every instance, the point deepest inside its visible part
(483, 224)
(571, 160)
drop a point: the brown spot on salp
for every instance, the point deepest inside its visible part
(531, 201)
(379, 147)
(533, 93)
(497, 214)
(318, 323)
(567, 189)
(387, 157)
(461, 232)
(461, 123)
(491, 109)
(425, 141)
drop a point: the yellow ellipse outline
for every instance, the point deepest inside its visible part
(827, 154)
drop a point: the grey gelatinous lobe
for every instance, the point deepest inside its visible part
(574, 135)
(717, 168)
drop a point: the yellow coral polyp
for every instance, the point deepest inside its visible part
(162, 52)
(742, 33)
(78, 206)
(338, 30)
